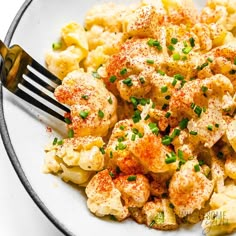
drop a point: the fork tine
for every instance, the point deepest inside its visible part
(39, 81)
(25, 96)
(45, 72)
(43, 95)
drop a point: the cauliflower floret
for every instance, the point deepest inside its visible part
(135, 149)
(118, 148)
(181, 11)
(189, 189)
(144, 21)
(74, 34)
(51, 162)
(104, 198)
(230, 166)
(98, 36)
(159, 215)
(74, 50)
(135, 189)
(108, 15)
(75, 159)
(75, 174)
(231, 134)
(221, 12)
(221, 219)
(132, 68)
(93, 107)
(62, 62)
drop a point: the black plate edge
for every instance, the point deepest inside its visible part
(7, 141)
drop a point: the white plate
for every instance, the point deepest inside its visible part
(25, 129)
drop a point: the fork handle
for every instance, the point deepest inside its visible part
(3, 49)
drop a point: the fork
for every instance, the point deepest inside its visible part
(25, 77)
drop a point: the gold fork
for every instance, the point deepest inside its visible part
(29, 80)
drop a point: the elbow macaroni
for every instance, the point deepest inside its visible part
(151, 89)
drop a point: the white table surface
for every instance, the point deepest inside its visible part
(19, 216)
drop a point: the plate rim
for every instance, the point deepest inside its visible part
(7, 140)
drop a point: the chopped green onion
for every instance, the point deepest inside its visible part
(167, 97)
(161, 72)
(136, 117)
(217, 125)
(112, 79)
(123, 71)
(184, 58)
(147, 117)
(201, 162)
(134, 101)
(85, 97)
(100, 113)
(164, 89)
(232, 72)
(54, 141)
(150, 61)
(112, 217)
(210, 127)
(57, 45)
(135, 131)
(122, 127)
(84, 114)
(121, 146)
(176, 56)
(179, 77)
(132, 178)
(154, 43)
(68, 120)
(198, 110)
(192, 42)
(235, 61)
(70, 133)
(209, 59)
(166, 140)
(164, 106)
(133, 137)
(174, 82)
(202, 66)
(183, 123)
(175, 133)
(112, 174)
(171, 206)
(171, 158)
(111, 154)
(167, 115)
(171, 47)
(102, 150)
(197, 167)
(128, 82)
(110, 100)
(153, 127)
(159, 219)
(174, 40)
(187, 50)
(121, 139)
(204, 89)
(150, 42)
(193, 132)
(142, 80)
(192, 105)
(180, 154)
(60, 142)
(96, 75)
